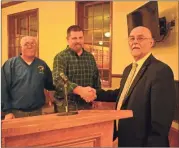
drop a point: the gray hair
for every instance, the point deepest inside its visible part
(26, 38)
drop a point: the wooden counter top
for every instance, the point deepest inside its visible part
(28, 125)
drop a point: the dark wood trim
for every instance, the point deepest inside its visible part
(8, 4)
(76, 13)
(23, 13)
(89, 3)
(111, 41)
(79, 15)
(120, 76)
(116, 75)
(38, 32)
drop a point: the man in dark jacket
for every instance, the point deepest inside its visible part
(147, 88)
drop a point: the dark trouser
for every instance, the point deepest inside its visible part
(19, 113)
(59, 106)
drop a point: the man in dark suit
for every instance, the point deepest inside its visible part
(146, 88)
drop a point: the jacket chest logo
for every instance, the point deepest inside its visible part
(41, 69)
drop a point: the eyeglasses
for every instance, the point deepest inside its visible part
(139, 39)
(28, 44)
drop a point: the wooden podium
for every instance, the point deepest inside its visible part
(89, 128)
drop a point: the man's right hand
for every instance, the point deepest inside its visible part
(91, 94)
(9, 116)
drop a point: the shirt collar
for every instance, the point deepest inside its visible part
(73, 52)
(141, 61)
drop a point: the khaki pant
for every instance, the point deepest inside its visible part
(20, 114)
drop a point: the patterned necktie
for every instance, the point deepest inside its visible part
(126, 87)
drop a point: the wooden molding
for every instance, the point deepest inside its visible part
(8, 4)
(120, 76)
(116, 75)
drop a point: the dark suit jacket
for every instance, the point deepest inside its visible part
(151, 97)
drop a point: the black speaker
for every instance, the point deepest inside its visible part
(163, 26)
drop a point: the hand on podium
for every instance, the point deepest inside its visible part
(9, 116)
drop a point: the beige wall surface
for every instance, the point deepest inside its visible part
(166, 51)
(54, 19)
(56, 16)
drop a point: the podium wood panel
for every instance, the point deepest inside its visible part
(89, 128)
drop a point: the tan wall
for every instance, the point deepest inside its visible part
(115, 83)
(54, 19)
(166, 51)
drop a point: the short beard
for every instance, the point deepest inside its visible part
(78, 49)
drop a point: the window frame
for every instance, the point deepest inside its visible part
(79, 20)
(13, 34)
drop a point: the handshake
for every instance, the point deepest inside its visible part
(87, 93)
